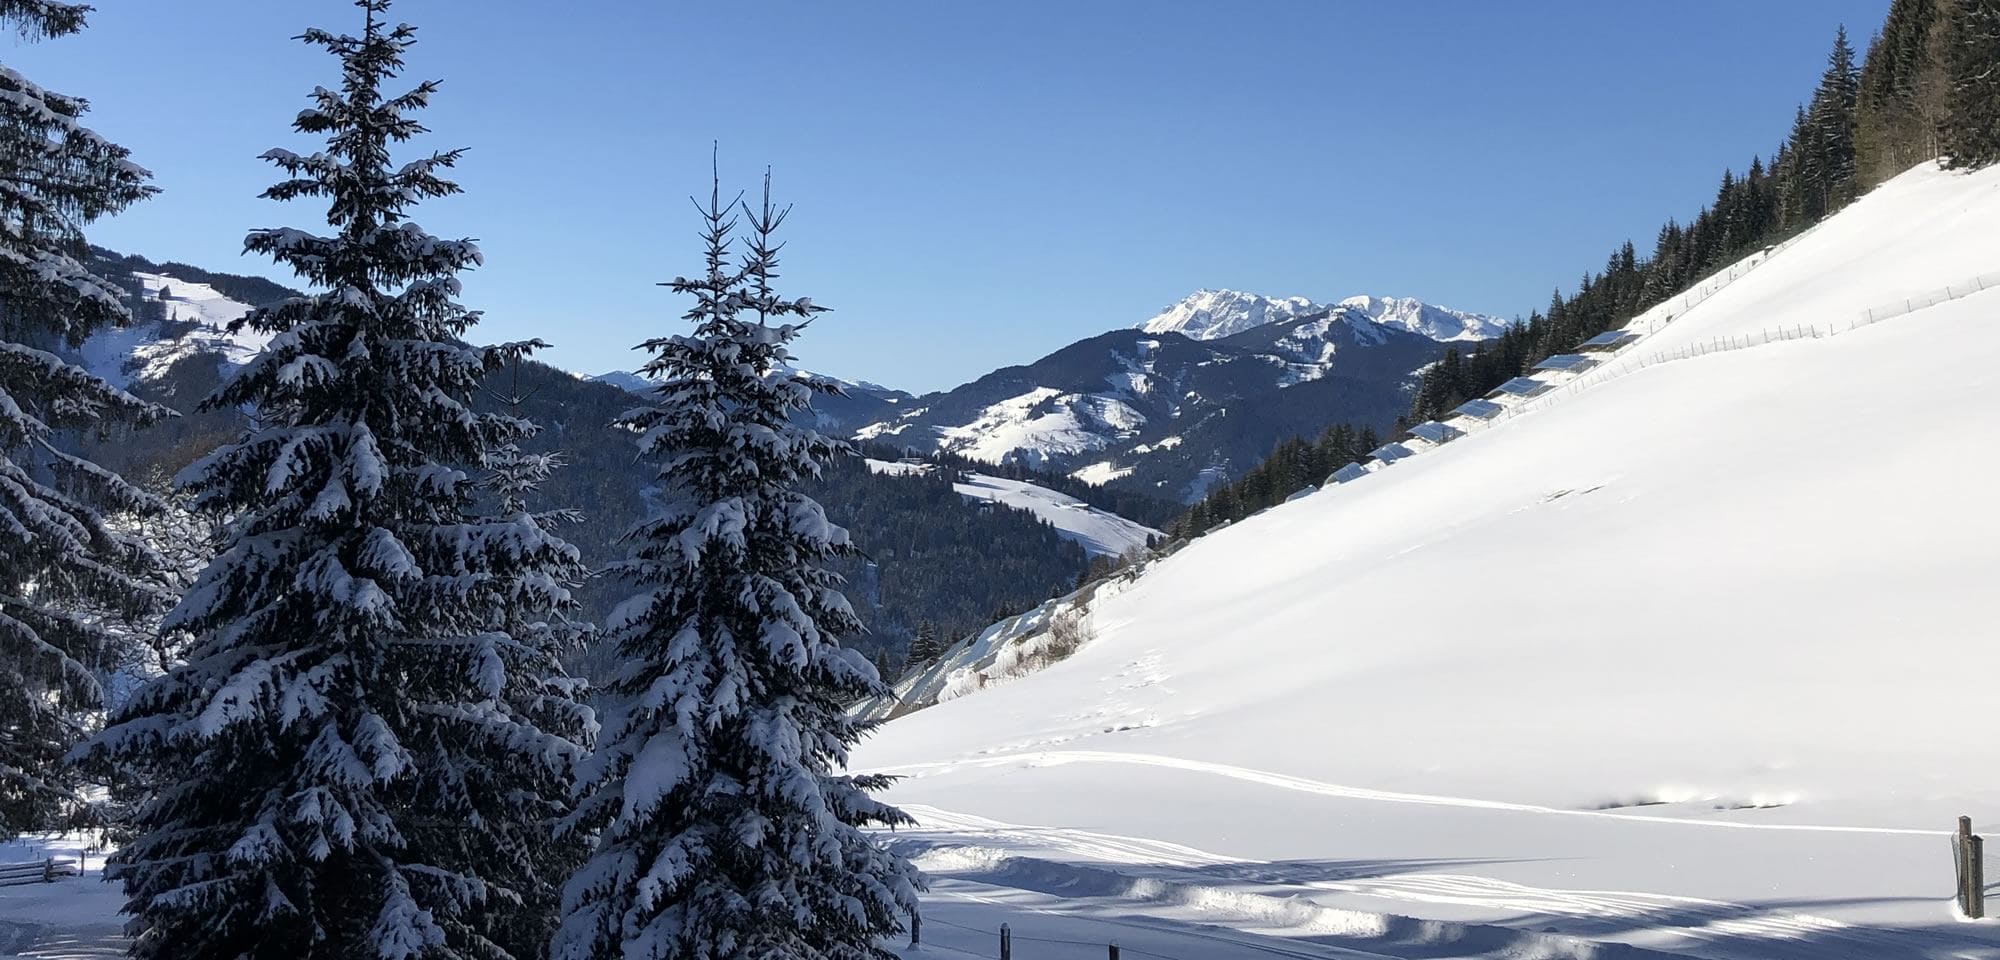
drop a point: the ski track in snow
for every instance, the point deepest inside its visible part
(1304, 951)
(992, 851)
(1303, 785)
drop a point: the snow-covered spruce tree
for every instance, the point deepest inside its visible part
(64, 573)
(538, 612)
(723, 826)
(338, 759)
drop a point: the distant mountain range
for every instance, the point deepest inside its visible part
(1214, 314)
(858, 404)
(1198, 393)
(930, 553)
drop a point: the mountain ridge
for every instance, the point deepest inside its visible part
(1216, 313)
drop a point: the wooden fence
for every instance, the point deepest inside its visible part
(38, 871)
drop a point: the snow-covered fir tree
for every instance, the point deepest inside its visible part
(66, 576)
(538, 612)
(339, 762)
(725, 826)
(925, 648)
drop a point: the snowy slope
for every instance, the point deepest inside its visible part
(1099, 532)
(192, 318)
(1214, 314)
(1694, 659)
(1043, 425)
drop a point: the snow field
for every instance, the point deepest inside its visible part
(1100, 532)
(1668, 663)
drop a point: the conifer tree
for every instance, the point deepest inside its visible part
(1972, 49)
(533, 616)
(1830, 120)
(925, 647)
(724, 827)
(1795, 185)
(66, 576)
(1901, 95)
(357, 756)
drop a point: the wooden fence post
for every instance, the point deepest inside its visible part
(1006, 943)
(1114, 950)
(1975, 876)
(916, 929)
(49, 871)
(1961, 859)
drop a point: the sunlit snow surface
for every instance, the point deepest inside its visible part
(1698, 659)
(1097, 531)
(72, 919)
(200, 315)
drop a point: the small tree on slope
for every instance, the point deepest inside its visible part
(925, 648)
(66, 577)
(340, 759)
(723, 829)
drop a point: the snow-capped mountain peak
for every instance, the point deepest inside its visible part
(1426, 319)
(1213, 314)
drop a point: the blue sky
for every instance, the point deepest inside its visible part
(979, 183)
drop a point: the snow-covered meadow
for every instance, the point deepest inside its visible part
(74, 918)
(139, 352)
(1099, 532)
(1694, 660)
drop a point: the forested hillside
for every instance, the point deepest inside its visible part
(1928, 87)
(927, 555)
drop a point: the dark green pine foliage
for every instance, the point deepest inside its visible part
(1901, 97)
(1795, 189)
(925, 647)
(1972, 47)
(1828, 165)
(357, 758)
(537, 613)
(724, 824)
(1293, 465)
(927, 553)
(64, 573)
